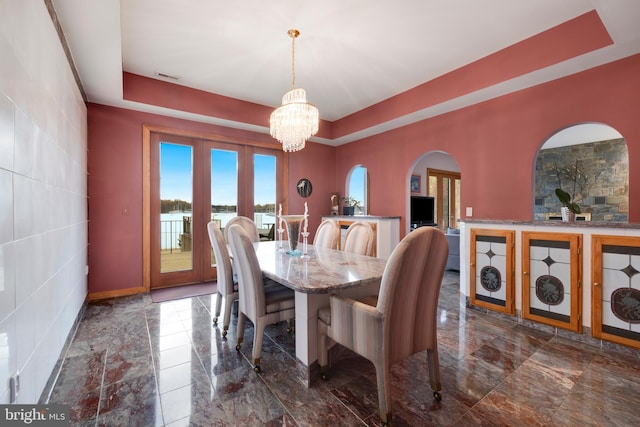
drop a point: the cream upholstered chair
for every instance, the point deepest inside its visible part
(401, 321)
(327, 234)
(360, 238)
(247, 223)
(263, 305)
(226, 287)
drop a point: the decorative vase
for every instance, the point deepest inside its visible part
(293, 223)
(567, 215)
(348, 210)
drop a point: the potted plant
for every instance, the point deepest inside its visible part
(578, 180)
(350, 205)
(569, 207)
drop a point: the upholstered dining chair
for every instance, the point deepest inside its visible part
(247, 223)
(262, 304)
(401, 321)
(327, 234)
(226, 287)
(360, 238)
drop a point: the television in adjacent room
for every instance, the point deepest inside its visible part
(422, 211)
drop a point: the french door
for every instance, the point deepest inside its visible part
(196, 180)
(444, 186)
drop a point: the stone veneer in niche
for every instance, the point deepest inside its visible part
(606, 165)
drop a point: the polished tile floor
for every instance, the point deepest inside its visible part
(136, 363)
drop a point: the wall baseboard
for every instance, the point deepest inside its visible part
(93, 296)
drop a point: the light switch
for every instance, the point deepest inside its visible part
(469, 211)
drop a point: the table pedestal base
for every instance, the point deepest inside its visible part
(307, 306)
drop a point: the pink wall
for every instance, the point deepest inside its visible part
(115, 188)
(182, 98)
(496, 142)
(317, 163)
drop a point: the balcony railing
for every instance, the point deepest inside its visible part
(175, 229)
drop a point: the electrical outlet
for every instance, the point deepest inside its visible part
(14, 387)
(469, 211)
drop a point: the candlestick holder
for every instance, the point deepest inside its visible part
(305, 247)
(280, 233)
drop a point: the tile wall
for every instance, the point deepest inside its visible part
(43, 198)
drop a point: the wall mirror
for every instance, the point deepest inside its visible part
(357, 187)
(589, 161)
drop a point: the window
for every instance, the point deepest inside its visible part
(357, 187)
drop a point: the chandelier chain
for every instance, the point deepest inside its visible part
(293, 34)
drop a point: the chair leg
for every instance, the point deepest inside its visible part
(433, 364)
(228, 303)
(240, 334)
(384, 393)
(258, 336)
(218, 306)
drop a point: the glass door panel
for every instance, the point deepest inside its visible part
(224, 187)
(433, 191)
(456, 210)
(264, 194)
(446, 191)
(176, 198)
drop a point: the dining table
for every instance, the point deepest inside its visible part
(314, 276)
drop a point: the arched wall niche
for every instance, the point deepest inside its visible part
(590, 161)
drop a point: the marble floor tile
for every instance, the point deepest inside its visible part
(132, 362)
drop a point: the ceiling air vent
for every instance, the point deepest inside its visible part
(167, 76)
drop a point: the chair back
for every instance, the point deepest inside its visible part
(223, 261)
(409, 292)
(247, 223)
(359, 238)
(327, 234)
(250, 285)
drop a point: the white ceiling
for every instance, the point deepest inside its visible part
(350, 54)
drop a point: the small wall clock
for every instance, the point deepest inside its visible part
(304, 187)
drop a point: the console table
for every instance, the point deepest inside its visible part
(386, 229)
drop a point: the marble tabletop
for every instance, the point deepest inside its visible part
(323, 271)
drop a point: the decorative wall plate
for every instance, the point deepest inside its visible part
(304, 187)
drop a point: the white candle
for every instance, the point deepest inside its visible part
(280, 216)
(306, 217)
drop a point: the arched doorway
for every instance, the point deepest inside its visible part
(436, 174)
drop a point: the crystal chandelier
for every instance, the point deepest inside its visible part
(295, 121)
